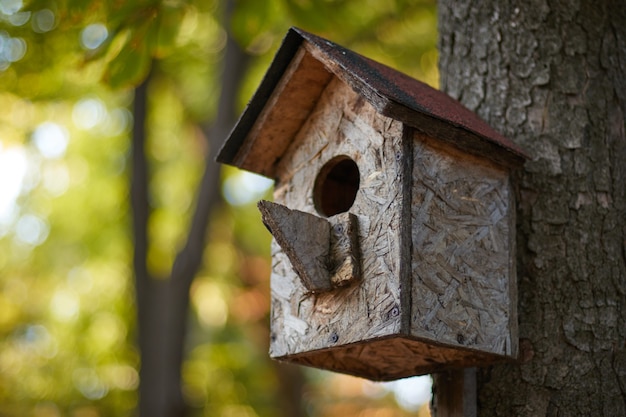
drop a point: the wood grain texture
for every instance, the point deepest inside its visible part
(390, 358)
(305, 239)
(342, 124)
(454, 393)
(344, 257)
(463, 258)
(324, 253)
(285, 112)
(404, 99)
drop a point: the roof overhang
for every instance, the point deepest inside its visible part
(299, 73)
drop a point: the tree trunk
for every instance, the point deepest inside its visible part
(551, 75)
(163, 304)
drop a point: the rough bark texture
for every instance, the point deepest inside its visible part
(551, 75)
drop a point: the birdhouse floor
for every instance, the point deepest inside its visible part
(391, 358)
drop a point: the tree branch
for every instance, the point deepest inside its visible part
(234, 67)
(140, 195)
(189, 259)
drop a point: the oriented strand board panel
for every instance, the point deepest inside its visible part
(343, 123)
(463, 250)
(387, 359)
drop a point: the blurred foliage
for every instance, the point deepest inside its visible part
(67, 68)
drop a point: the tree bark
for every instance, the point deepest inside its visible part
(551, 75)
(454, 393)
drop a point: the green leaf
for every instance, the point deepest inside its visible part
(309, 14)
(131, 65)
(250, 18)
(168, 25)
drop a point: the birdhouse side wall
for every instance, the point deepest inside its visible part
(343, 124)
(462, 250)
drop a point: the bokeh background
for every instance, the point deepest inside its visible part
(69, 72)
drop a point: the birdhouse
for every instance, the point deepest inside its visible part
(393, 217)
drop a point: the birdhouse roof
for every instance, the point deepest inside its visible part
(301, 69)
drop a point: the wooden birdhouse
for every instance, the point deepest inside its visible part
(393, 217)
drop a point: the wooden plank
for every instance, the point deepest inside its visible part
(283, 114)
(344, 250)
(455, 393)
(324, 253)
(305, 239)
(406, 230)
(389, 358)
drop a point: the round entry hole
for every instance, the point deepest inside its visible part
(336, 186)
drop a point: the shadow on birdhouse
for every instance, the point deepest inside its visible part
(393, 222)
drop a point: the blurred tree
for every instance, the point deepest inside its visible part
(163, 304)
(66, 306)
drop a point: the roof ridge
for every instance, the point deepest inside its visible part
(392, 93)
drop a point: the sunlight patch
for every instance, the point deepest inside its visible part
(11, 49)
(93, 35)
(87, 381)
(65, 305)
(56, 179)
(31, 230)
(411, 393)
(210, 305)
(244, 187)
(43, 21)
(13, 165)
(51, 139)
(88, 113)
(10, 7)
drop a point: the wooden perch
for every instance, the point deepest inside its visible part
(344, 249)
(324, 253)
(305, 240)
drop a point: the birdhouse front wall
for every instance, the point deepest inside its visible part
(464, 280)
(343, 124)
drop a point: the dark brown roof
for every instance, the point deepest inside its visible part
(391, 92)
